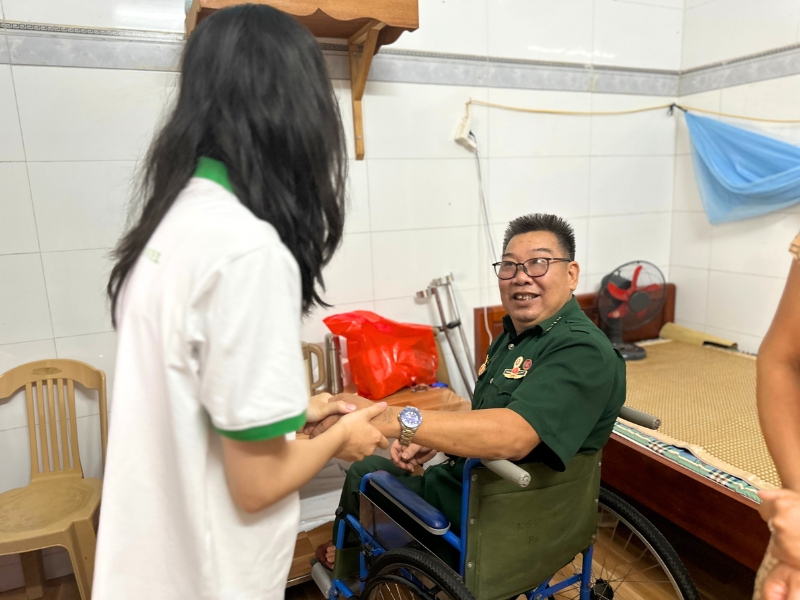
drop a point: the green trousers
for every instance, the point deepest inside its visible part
(437, 486)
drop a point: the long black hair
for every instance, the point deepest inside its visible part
(255, 95)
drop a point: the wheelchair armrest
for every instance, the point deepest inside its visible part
(639, 417)
(430, 518)
(508, 471)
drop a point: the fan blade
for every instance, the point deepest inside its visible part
(641, 313)
(618, 293)
(651, 288)
(619, 312)
(635, 279)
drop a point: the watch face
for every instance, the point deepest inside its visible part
(410, 417)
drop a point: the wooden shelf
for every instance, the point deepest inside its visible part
(366, 25)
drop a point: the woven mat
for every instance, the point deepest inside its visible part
(706, 399)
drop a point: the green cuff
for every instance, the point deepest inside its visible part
(266, 432)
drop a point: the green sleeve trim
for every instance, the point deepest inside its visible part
(266, 432)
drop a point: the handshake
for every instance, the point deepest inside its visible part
(366, 426)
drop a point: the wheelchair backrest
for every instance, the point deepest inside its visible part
(519, 537)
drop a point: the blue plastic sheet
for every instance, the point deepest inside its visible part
(739, 173)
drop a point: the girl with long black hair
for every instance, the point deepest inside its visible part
(243, 205)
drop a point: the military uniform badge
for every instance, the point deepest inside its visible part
(516, 372)
(482, 370)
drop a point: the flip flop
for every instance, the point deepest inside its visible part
(321, 554)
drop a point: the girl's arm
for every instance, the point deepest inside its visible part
(262, 473)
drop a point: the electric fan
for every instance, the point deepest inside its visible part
(630, 297)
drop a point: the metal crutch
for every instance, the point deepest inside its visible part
(446, 326)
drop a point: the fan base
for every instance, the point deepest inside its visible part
(631, 351)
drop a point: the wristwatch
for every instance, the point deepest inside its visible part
(410, 419)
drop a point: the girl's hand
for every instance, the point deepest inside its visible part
(360, 438)
(320, 407)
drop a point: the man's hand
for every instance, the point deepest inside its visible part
(324, 405)
(360, 437)
(781, 509)
(411, 456)
(782, 583)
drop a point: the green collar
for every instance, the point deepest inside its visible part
(213, 170)
(569, 308)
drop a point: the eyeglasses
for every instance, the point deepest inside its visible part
(535, 267)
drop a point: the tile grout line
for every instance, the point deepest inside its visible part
(32, 205)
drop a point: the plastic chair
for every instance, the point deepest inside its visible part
(59, 505)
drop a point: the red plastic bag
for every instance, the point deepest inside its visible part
(385, 355)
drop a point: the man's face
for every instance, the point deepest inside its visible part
(531, 300)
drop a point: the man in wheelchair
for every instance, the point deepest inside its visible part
(551, 386)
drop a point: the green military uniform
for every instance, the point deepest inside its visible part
(562, 376)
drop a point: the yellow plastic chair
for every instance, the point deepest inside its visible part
(59, 506)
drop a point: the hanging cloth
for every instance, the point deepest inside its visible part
(741, 174)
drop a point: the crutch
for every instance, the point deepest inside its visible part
(435, 290)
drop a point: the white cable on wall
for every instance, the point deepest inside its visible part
(487, 222)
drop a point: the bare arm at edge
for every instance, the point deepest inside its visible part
(778, 383)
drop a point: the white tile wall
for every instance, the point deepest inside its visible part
(691, 298)
(620, 239)
(24, 313)
(76, 291)
(406, 261)
(719, 30)
(691, 240)
(624, 185)
(636, 33)
(755, 246)
(628, 34)
(11, 147)
(449, 26)
(541, 30)
(156, 15)
(358, 217)
(98, 350)
(686, 196)
(100, 114)
(742, 303)
(405, 120)
(348, 277)
(624, 135)
(525, 134)
(17, 225)
(80, 205)
(423, 194)
(539, 184)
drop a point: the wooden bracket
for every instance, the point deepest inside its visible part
(365, 40)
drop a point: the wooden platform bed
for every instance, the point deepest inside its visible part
(720, 517)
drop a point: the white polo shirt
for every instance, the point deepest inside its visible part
(208, 330)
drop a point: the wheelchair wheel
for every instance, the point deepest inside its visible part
(411, 574)
(632, 559)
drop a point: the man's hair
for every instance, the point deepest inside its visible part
(542, 222)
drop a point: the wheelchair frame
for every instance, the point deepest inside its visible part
(504, 468)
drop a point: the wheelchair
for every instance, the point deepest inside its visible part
(525, 530)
